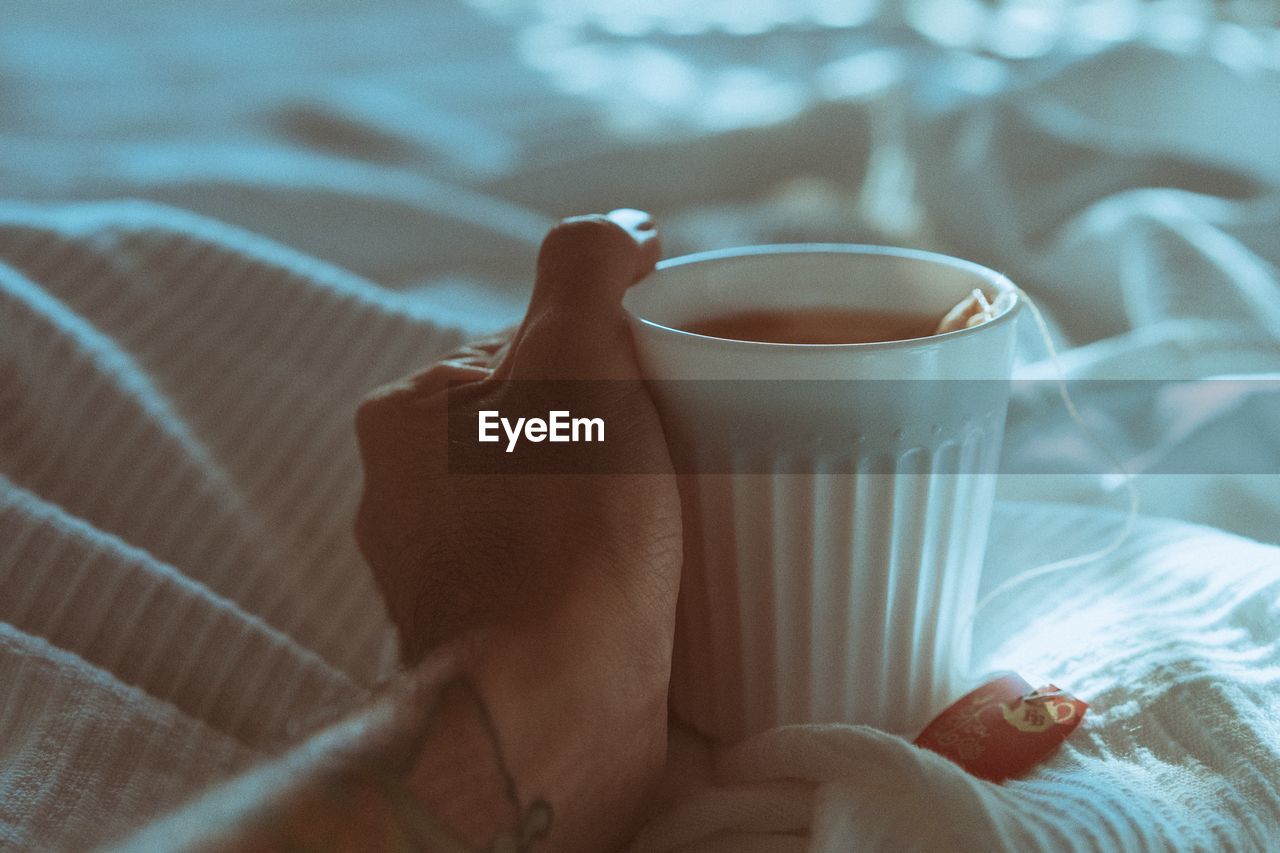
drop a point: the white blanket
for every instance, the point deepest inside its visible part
(169, 616)
(1172, 640)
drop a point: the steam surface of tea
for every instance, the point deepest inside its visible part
(842, 325)
(816, 326)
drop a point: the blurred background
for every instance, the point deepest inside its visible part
(733, 120)
(1117, 158)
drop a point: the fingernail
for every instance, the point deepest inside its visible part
(632, 220)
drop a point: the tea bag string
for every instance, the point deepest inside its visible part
(1127, 478)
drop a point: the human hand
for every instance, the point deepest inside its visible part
(570, 578)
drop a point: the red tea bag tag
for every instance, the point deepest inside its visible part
(1003, 728)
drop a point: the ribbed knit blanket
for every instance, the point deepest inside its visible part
(179, 587)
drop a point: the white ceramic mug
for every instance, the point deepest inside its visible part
(832, 557)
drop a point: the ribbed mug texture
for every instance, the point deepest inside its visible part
(840, 595)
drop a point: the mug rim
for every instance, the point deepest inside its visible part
(998, 280)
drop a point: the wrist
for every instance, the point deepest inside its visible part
(576, 733)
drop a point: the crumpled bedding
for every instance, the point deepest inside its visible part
(315, 220)
(1172, 639)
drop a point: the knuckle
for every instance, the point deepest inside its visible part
(374, 413)
(389, 406)
(382, 419)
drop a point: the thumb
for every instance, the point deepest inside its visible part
(575, 327)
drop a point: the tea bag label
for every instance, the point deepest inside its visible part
(1004, 728)
(971, 311)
